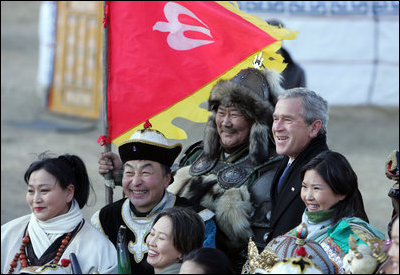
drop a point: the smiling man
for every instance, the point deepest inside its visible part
(299, 129)
(233, 128)
(146, 159)
(230, 171)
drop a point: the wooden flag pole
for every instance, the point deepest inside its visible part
(109, 184)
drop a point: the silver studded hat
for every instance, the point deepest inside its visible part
(149, 144)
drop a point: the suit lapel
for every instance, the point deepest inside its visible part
(291, 191)
(288, 193)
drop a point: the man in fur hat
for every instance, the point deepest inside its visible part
(146, 159)
(231, 170)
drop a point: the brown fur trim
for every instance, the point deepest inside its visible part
(259, 143)
(254, 106)
(232, 207)
(209, 198)
(211, 138)
(228, 93)
(198, 187)
(232, 212)
(274, 80)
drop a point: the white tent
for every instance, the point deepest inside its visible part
(348, 49)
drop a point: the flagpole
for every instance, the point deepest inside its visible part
(109, 184)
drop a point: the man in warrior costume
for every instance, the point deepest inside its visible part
(231, 170)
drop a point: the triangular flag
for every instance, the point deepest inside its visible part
(164, 58)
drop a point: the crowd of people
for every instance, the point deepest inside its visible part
(262, 174)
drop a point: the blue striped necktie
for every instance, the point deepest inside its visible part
(282, 176)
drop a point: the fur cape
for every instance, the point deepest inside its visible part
(232, 207)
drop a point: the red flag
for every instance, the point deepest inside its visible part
(161, 54)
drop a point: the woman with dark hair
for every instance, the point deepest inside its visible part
(334, 169)
(334, 206)
(175, 232)
(206, 261)
(57, 190)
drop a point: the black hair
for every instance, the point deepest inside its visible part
(165, 169)
(187, 227)
(211, 260)
(337, 172)
(67, 169)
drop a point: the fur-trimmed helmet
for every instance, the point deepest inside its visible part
(254, 93)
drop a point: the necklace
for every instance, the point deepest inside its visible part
(22, 256)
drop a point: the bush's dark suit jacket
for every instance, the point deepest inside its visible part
(287, 206)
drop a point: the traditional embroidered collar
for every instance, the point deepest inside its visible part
(140, 226)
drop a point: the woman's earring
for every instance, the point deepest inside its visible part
(180, 259)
